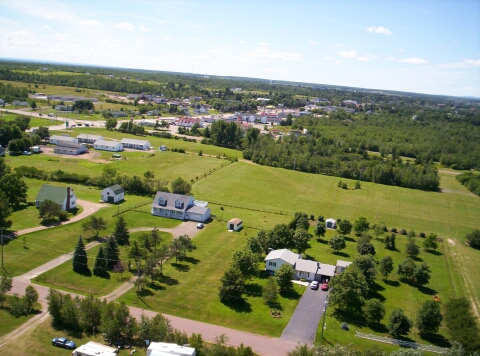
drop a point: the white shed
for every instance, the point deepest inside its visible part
(113, 146)
(136, 144)
(113, 194)
(330, 223)
(234, 224)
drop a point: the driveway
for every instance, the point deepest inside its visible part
(303, 324)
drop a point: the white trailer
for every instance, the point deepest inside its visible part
(92, 348)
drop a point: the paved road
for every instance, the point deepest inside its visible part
(303, 324)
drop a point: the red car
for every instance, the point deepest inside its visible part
(324, 286)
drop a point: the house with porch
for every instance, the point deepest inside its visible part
(63, 196)
(181, 207)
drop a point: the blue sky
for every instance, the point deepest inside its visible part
(419, 46)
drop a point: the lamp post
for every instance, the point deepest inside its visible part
(324, 312)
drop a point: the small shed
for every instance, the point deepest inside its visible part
(234, 224)
(113, 194)
(331, 223)
(162, 148)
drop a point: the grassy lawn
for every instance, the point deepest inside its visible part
(63, 277)
(34, 121)
(40, 338)
(9, 322)
(190, 288)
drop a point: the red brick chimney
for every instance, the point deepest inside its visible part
(68, 199)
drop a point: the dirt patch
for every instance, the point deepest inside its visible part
(451, 242)
(91, 155)
(449, 172)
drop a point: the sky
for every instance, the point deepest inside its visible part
(418, 46)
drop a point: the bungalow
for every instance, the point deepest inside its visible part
(177, 206)
(86, 138)
(234, 224)
(63, 107)
(114, 146)
(331, 223)
(56, 139)
(165, 349)
(341, 265)
(119, 114)
(189, 122)
(276, 258)
(70, 148)
(113, 194)
(19, 103)
(63, 196)
(136, 144)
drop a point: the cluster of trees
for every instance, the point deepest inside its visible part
(473, 239)
(49, 210)
(18, 306)
(470, 180)
(10, 93)
(128, 126)
(13, 192)
(225, 134)
(12, 134)
(461, 323)
(83, 105)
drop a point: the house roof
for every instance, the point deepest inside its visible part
(170, 199)
(343, 264)
(63, 138)
(132, 141)
(326, 270)
(197, 209)
(307, 266)
(236, 221)
(71, 145)
(90, 137)
(106, 143)
(117, 189)
(331, 220)
(283, 254)
(53, 193)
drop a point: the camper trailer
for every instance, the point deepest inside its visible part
(92, 348)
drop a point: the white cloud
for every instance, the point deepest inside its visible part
(125, 26)
(166, 38)
(330, 59)
(348, 54)
(380, 30)
(264, 44)
(46, 26)
(243, 41)
(313, 43)
(363, 59)
(91, 23)
(19, 33)
(400, 50)
(391, 58)
(144, 29)
(413, 60)
(338, 62)
(472, 62)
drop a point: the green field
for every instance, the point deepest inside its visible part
(9, 322)
(34, 121)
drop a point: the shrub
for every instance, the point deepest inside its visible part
(321, 218)
(473, 239)
(403, 232)
(422, 234)
(393, 230)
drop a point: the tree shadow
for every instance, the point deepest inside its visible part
(181, 267)
(74, 211)
(240, 305)
(145, 292)
(436, 339)
(393, 249)
(378, 328)
(374, 292)
(434, 252)
(105, 275)
(191, 260)
(350, 239)
(291, 294)
(20, 207)
(417, 259)
(85, 272)
(275, 305)
(156, 286)
(254, 289)
(391, 283)
(169, 281)
(427, 290)
(322, 241)
(7, 238)
(264, 275)
(50, 223)
(341, 254)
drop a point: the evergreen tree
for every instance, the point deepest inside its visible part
(112, 254)
(80, 260)
(100, 268)
(121, 232)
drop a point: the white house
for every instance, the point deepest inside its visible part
(113, 146)
(136, 144)
(63, 196)
(331, 223)
(113, 194)
(55, 139)
(70, 148)
(341, 265)
(177, 206)
(276, 258)
(86, 138)
(234, 224)
(165, 349)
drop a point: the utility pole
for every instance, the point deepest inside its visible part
(138, 276)
(1, 236)
(324, 313)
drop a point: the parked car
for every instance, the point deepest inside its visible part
(324, 286)
(28, 153)
(200, 226)
(64, 342)
(314, 285)
(40, 114)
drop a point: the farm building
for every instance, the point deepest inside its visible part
(55, 139)
(113, 146)
(85, 138)
(63, 196)
(69, 148)
(341, 265)
(165, 349)
(136, 144)
(331, 224)
(234, 224)
(113, 194)
(177, 206)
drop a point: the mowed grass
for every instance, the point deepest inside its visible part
(190, 288)
(34, 121)
(63, 277)
(38, 341)
(8, 322)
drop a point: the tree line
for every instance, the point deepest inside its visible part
(471, 181)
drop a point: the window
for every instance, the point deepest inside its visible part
(273, 264)
(304, 274)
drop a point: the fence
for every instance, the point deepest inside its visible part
(412, 345)
(132, 207)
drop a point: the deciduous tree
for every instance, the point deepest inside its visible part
(361, 225)
(320, 230)
(30, 297)
(366, 265)
(301, 240)
(337, 243)
(94, 225)
(345, 227)
(245, 261)
(48, 210)
(412, 249)
(430, 242)
(14, 189)
(406, 268)
(284, 276)
(270, 291)
(386, 266)
(399, 323)
(179, 186)
(373, 310)
(232, 286)
(348, 289)
(6, 283)
(429, 317)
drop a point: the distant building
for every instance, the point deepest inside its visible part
(177, 206)
(63, 196)
(56, 139)
(63, 107)
(135, 144)
(166, 349)
(86, 138)
(234, 224)
(113, 194)
(103, 145)
(70, 148)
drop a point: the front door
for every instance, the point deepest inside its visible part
(231, 227)
(111, 200)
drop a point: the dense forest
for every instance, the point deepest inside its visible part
(471, 181)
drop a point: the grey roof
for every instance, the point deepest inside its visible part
(70, 145)
(117, 189)
(106, 143)
(315, 267)
(63, 138)
(53, 193)
(283, 254)
(343, 264)
(132, 141)
(170, 199)
(326, 270)
(197, 209)
(90, 137)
